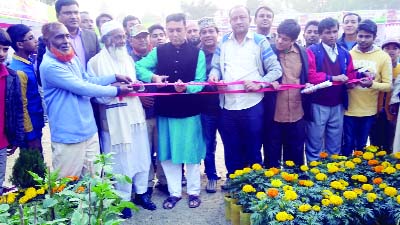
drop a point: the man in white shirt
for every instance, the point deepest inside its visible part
(243, 56)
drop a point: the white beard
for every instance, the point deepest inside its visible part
(119, 54)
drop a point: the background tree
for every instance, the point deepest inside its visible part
(197, 9)
(48, 2)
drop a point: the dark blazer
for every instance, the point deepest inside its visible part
(90, 44)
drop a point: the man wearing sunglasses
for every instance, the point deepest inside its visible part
(25, 44)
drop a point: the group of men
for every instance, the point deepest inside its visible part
(92, 92)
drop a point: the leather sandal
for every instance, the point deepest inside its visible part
(194, 201)
(170, 202)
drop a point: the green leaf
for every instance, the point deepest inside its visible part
(4, 207)
(49, 202)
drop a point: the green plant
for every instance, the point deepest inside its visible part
(28, 160)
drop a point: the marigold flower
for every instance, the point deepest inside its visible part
(314, 163)
(379, 169)
(269, 173)
(289, 163)
(390, 191)
(337, 185)
(350, 195)
(377, 180)
(232, 176)
(349, 164)
(368, 155)
(290, 195)
(261, 195)
(325, 202)
(371, 197)
(381, 153)
(274, 170)
(357, 160)
(256, 166)
(72, 178)
(389, 170)
(24, 199)
(315, 170)
(30, 193)
(345, 183)
(283, 216)
(398, 166)
(383, 185)
(336, 200)
(248, 188)
(335, 156)
(358, 153)
(304, 208)
(333, 169)
(373, 162)
(272, 192)
(276, 183)
(246, 170)
(362, 178)
(323, 155)
(398, 199)
(238, 172)
(386, 164)
(358, 191)
(372, 148)
(287, 188)
(304, 168)
(321, 177)
(367, 187)
(289, 177)
(11, 198)
(316, 208)
(396, 155)
(80, 189)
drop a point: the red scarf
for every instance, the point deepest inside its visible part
(61, 56)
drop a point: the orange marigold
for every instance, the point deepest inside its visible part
(72, 178)
(274, 169)
(323, 155)
(377, 180)
(272, 192)
(378, 169)
(373, 162)
(358, 153)
(80, 189)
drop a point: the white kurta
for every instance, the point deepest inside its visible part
(396, 100)
(123, 125)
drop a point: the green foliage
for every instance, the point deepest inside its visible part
(28, 160)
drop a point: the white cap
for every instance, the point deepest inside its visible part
(109, 26)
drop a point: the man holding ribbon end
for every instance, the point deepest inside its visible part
(123, 123)
(246, 57)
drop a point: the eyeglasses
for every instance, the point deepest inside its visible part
(30, 38)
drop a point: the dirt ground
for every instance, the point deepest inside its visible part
(210, 212)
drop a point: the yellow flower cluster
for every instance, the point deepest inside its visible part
(332, 168)
(315, 171)
(304, 208)
(304, 168)
(287, 188)
(390, 191)
(314, 163)
(372, 148)
(368, 155)
(276, 183)
(290, 195)
(306, 183)
(246, 170)
(371, 197)
(283, 216)
(367, 187)
(327, 193)
(337, 185)
(325, 202)
(321, 176)
(336, 200)
(398, 199)
(256, 166)
(389, 170)
(289, 163)
(386, 164)
(396, 155)
(289, 176)
(261, 195)
(357, 160)
(316, 208)
(349, 165)
(248, 188)
(239, 172)
(381, 153)
(269, 173)
(350, 195)
(8, 199)
(360, 178)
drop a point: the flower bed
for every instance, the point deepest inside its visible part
(361, 189)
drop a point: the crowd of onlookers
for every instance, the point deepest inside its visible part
(91, 89)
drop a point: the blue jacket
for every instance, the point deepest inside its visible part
(67, 92)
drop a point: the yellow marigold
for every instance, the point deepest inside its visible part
(368, 155)
(316, 208)
(274, 170)
(306, 183)
(358, 153)
(335, 156)
(325, 202)
(261, 195)
(371, 197)
(314, 170)
(357, 160)
(333, 169)
(337, 185)
(30, 192)
(398, 166)
(246, 170)
(321, 177)
(386, 164)
(232, 176)
(367, 187)
(276, 183)
(287, 188)
(3, 199)
(290, 195)
(290, 217)
(396, 155)
(350, 195)
(358, 191)
(304, 208)
(256, 166)
(390, 191)
(289, 163)
(304, 168)
(24, 199)
(389, 170)
(349, 164)
(381, 153)
(282, 216)
(238, 172)
(11, 198)
(345, 183)
(383, 185)
(314, 163)
(398, 199)
(362, 178)
(248, 188)
(372, 148)
(323, 155)
(336, 200)
(269, 173)
(40, 191)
